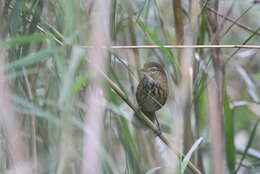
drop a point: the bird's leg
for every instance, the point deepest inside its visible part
(158, 126)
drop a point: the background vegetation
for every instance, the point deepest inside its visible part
(65, 97)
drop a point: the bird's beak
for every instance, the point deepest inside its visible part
(143, 71)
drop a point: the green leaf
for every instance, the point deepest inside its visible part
(33, 59)
(28, 108)
(249, 143)
(24, 39)
(200, 101)
(187, 157)
(229, 134)
(157, 41)
(15, 19)
(129, 144)
(78, 84)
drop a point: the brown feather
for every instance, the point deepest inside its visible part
(152, 90)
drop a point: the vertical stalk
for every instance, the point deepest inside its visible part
(215, 97)
(95, 100)
(11, 125)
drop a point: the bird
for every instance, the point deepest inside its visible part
(152, 91)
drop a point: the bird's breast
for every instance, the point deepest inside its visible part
(151, 94)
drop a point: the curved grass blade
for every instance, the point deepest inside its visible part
(33, 59)
(29, 108)
(153, 170)
(156, 40)
(187, 157)
(252, 135)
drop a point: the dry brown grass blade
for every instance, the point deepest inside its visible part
(215, 96)
(181, 46)
(178, 20)
(233, 21)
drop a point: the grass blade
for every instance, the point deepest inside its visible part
(24, 39)
(189, 154)
(252, 135)
(157, 41)
(229, 134)
(33, 59)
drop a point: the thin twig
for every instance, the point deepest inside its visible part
(33, 122)
(233, 21)
(178, 46)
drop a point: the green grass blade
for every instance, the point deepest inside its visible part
(157, 41)
(33, 59)
(25, 39)
(28, 108)
(229, 134)
(249, 143)
(79, 83)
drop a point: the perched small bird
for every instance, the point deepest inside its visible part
(152, 91)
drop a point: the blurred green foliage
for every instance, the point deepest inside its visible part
(48, 89)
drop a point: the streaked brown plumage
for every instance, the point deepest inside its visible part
(152, 90)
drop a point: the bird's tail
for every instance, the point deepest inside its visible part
(139, 123)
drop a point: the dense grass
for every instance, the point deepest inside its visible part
(67, 105)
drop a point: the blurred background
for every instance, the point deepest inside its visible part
(67, 94)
